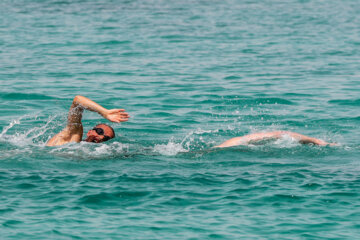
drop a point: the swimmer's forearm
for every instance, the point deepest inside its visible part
(77, 108)
(80, 103)
(86, 103)
(308, 140)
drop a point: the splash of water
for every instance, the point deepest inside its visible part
(85, 150)
(170, 149)
(29, 137)
(12, 123)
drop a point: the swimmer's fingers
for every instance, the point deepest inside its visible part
(117, 110)
(121, 111)
(117, 115)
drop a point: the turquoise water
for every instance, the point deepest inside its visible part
(192, 74)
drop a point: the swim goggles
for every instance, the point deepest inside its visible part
(100, 131)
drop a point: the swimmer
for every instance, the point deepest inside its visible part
(256, 137)
(73, 132)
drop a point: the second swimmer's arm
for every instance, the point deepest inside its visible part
(247, 139)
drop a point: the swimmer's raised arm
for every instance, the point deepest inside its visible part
(255, 137)
(74, 130)
(80, 103)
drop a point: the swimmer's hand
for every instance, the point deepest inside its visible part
(116, 115)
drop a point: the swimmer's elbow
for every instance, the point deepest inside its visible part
(77, 98)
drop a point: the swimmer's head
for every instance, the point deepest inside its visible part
(100, 133)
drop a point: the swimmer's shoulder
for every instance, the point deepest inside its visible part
(67, 135)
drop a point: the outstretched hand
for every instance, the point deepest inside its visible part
(116, 115)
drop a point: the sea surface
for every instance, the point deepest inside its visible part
(191, 74)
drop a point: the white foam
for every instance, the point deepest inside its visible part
(192, 135)
(14, 152)
(286, 141)
(193, 139)
(169, 149)
(90, 150)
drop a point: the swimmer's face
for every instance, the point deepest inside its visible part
(100, 133)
